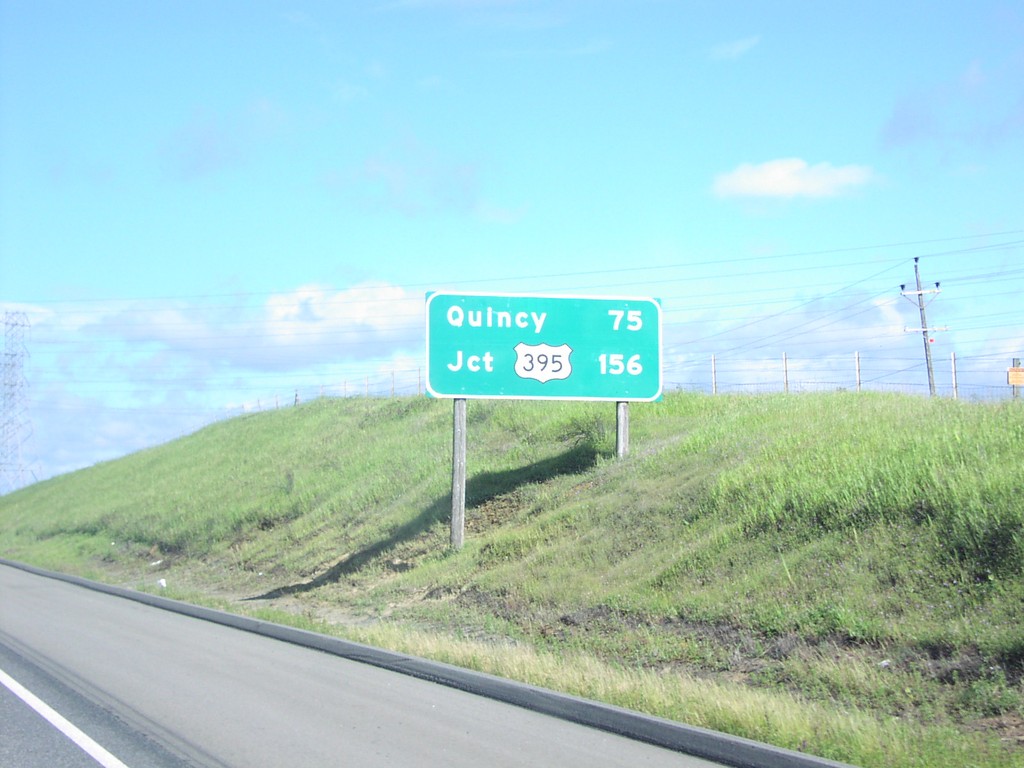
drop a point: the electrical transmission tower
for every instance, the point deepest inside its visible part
(15, 427)
(924, 329)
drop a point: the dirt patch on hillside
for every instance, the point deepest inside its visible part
(1009, 728)
(492, 513)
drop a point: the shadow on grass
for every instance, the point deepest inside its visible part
(486, 486)
(479, 490)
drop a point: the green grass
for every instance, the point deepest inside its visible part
(841, 573)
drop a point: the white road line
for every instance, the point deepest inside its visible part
(94, 750)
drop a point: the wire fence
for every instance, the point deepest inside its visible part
(973, 379)
(981, 378)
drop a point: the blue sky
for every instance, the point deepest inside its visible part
(208, 207)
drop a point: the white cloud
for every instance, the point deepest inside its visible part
(791, 177)
(363, 321)
(312, 325)
(201, 147)
(34, 313)
(412, 179)
(735, 48)
(348, 92)
(591, 48)
(107, 378)
(982, 108)
(498, 214)
(891, 321)
(209, 143)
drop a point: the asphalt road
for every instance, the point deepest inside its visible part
(168, 690)
(29, 740)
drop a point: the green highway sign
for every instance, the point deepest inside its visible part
(543, 347)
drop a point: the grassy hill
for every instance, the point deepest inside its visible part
(841, 573)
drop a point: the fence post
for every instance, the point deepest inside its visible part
(856, 362)
(714, 377)
(785, 373)
(952, 362)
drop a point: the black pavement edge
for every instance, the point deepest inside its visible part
(690, 740)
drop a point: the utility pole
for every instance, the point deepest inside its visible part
(924, 329)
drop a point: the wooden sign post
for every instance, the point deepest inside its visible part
(622, 429)
(458, 528)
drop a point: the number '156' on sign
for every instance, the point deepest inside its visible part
(617, 364)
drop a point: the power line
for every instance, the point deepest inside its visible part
(585, 273)
(284, 343)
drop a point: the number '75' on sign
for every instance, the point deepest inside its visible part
(634, 319)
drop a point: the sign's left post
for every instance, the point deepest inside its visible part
(458, 529)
